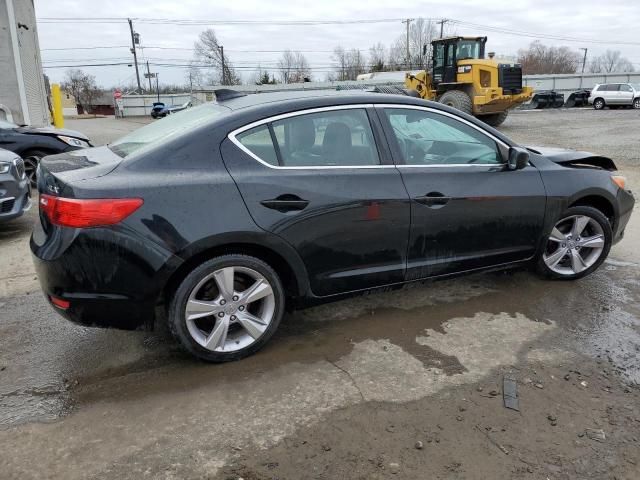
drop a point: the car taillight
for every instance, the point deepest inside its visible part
(80, 213)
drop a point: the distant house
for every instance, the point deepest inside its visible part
(102, 105)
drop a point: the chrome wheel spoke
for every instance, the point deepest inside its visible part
(201, 308)
(225, 323)
(218, 336)
(579, 224)
(596, 241)
(557, 236)
(253, 325)
(258, 290)
(577, 262)
(224, 279)
(553, 259)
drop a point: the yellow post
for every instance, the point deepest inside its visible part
(56, 97)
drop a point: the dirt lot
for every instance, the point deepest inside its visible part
(405, 384)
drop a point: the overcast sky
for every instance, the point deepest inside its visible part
(591, 22)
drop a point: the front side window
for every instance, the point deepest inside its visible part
(340, 138)
(426, 138)
(468, 49)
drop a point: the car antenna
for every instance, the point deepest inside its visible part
(224, 94)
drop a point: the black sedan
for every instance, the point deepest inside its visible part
(33, 143)
(225, 212)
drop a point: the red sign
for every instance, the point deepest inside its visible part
(117, 94)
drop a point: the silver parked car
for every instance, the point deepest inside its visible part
(15, 190)
(615, 95)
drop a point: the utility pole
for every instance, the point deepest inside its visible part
(135, 55)
(584, 59)
(222, 61)
(408, 22)
(157, 86)
(148, 75)
(442, 22)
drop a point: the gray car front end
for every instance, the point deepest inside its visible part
(15, 190)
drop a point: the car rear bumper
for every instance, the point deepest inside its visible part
(105, 277)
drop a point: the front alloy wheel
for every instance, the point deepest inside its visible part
(578, 243)
(636, 103)
(227, 308)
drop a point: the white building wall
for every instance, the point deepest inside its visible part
(22, 94)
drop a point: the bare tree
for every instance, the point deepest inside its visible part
(194, 76)
(539, 59)
(350, 63)
(377, 58)
(293, 67)
(421, 32)
(83, 87)
(209, 51)
(611, 61)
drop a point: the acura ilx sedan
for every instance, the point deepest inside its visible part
(227, 213)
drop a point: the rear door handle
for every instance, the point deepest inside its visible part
(433, 199)
(286, 203)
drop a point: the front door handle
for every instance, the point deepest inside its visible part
(433, 199)
(286, 203)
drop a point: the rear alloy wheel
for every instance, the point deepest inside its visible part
(227, 308)
(598, 104)
(636, 103)
(458, 100)
(577, 245)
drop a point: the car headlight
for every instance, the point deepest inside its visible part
(75, 142)
(4, 167)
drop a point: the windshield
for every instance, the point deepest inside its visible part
(5, 124)
(162, 131)
(468, 49)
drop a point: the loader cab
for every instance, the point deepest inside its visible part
(448, 51)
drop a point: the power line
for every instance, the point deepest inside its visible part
(175, 21)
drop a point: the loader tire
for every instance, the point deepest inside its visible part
(458, 100)
(495, 119)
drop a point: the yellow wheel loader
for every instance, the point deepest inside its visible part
(462, 78)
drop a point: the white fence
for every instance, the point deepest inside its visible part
(572, 82)
(140, 105)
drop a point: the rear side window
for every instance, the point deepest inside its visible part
(333, 138)
(602, 88)
(258, 141)
(612, 88)
(625, 88)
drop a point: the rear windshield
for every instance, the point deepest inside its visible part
(165, 130)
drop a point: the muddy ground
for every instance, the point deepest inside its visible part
(404, 384)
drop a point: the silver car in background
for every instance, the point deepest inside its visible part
(15, 189)
(615, 95)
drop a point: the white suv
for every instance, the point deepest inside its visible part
(615, 95)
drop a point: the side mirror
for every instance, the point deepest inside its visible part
(518, 158)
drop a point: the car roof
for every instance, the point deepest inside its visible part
(329, 96)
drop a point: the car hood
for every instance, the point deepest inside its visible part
(574, 158)
(52, 132)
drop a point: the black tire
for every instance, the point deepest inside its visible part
(31, 160)
(599, 103)
(458, 100)
(495, 119)
(602, 220)
(177, 321)
(636, 103)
